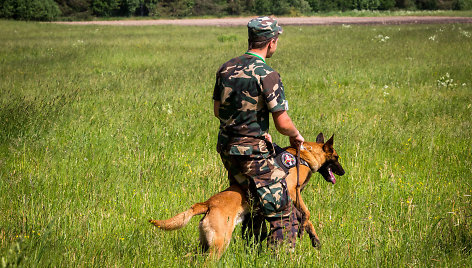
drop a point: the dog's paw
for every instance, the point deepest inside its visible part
(153, 222)
(315, 242)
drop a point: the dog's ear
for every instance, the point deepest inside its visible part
(320, 138)
(331, 140)
(328, 146)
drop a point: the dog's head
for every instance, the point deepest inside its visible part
(322, 158)
(331, 164)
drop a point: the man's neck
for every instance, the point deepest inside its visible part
(260, 52)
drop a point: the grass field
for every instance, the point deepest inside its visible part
(105, 127)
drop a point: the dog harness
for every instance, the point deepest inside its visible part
(286, 160)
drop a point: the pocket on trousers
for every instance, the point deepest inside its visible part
(273, 197)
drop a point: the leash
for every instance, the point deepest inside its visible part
(299, 148)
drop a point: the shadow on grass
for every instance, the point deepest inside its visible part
(453, 234)
(20, 116)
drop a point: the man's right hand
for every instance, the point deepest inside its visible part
(284, 125)
(296, 141)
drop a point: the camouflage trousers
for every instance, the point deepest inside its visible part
(263, 179)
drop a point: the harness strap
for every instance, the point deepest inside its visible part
(298, 171)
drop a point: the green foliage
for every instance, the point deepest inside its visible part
(128, 7)
(206, 7)
(262, 7)
(177, 8)
(406, 4)
(43, 10)
(386, 4)
(84, 9)
(344, 5)
(237, 7)
(105, 8)
(281, 7)
(463, 5)
(74, 8)
(146, 8)
(7, 9)
(427, 4)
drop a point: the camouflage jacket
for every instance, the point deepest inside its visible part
(248, 89)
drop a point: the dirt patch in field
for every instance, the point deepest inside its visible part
(285, 21)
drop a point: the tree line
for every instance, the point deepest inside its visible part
(84, 9)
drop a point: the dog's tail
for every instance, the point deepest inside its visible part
(181, 219)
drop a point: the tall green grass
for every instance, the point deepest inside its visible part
(105, 127)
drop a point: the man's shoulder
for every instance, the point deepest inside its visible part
(261, 68)
(265, 67)
(233, 62)
(247, 61)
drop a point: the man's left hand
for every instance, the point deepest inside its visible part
(268, 137)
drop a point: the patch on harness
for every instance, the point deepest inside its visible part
(288, 160)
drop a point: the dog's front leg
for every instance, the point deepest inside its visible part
(300, 205)
(305, 222)
(310, 229)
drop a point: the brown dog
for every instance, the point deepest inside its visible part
(226, 209)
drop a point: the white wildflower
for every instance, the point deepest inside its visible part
(446, 81)
(465, 33)
(78, 43)
(167, 108)
(385, 93)
(382, 38)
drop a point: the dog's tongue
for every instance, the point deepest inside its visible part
(331, 176)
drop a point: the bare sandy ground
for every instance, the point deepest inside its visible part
(285, 21)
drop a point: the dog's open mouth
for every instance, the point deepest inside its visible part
(327, 174)
(332, 179)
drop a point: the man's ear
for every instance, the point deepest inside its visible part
(328, 146)
(320, 138)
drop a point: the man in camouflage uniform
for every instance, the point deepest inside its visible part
(246, 91)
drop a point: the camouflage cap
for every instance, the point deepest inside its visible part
(263, 28)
